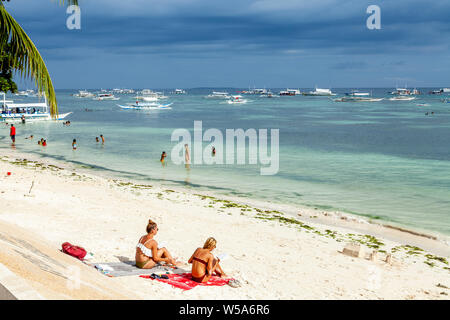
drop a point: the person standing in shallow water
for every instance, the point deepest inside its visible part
(163, 157)
(12, 133)
(74, 144)
(103, 139)
(187, 156)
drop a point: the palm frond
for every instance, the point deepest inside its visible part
(27, 58)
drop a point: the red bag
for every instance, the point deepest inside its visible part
(74, 251)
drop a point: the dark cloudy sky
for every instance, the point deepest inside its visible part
(241, 43)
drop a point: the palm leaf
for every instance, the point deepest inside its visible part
(26, 57)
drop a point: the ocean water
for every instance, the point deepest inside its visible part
(384, 160)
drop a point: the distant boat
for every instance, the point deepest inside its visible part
(84, 94)
(180, 91)
(402, 98)
(106, 96)
(218, 95)
(290, 92)
(146, 106)
(356, 93)
(319, 92)
(236, 100)
(13, 112)
(405, 92)
(357, 99)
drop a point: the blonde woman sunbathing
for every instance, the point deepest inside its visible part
(204, 265)
(147, 252)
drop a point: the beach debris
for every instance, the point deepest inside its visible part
(354, 250)
(442, 286)
(234, 283)
(8, 173)
(388, 258)
(373, 255)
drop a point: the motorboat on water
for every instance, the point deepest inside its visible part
(179, 91)
(148, 95)
(356, 93)
(106, 96)
(218, 95)
(319, 92)
(14, 112)
(405, 92)
(402, 98)
(290, 92)
(238, 99)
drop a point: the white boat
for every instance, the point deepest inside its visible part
(256, 91)
(13, 112)
(357, 99)
(236, 100)
(290, 92)
(106, 96)
(445, 90)
(145, 106)
(84, 94)
(319, 92)
(218, 95)
(180, 91)
(150, 96)
(402, 98)
(405, 92)
(356, 93)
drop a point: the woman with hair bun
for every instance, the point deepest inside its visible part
(147, 252)
(204, 264)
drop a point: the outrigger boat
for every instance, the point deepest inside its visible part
(145, 106)
(357, 99)
(13, 112)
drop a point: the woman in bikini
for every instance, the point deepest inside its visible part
(204, 265)
(147, 252)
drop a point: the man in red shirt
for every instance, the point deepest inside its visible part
(12, 133)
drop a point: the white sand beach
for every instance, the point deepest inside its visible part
(275, 255)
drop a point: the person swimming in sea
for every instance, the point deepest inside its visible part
(213, 152)
(96, 139)
(204, 264)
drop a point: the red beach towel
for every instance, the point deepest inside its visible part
(184, 281)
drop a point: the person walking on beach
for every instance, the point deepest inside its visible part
(74, 144)
(148, 254)
(12, 133)
(204, 264)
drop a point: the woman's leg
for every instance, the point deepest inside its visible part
(164, 253)
(149, 264)
(219, 271)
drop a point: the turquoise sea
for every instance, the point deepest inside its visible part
(384, 160)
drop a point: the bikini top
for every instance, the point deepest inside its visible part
(146, 251)
(200, 260)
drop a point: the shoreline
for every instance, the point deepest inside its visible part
(274, 254)
(394, 231)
